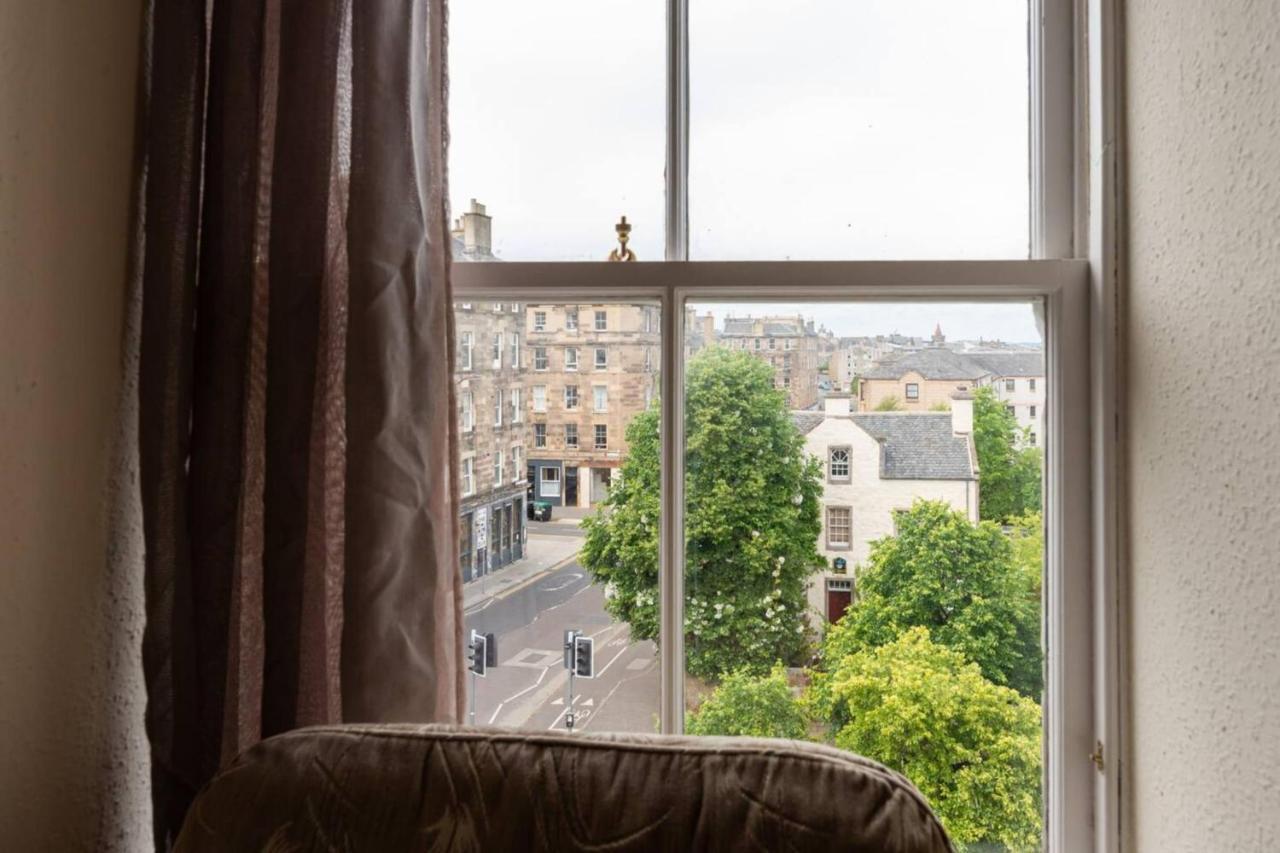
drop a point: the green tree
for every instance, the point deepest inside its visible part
(751, 522)
(957, 579)
(970, 746)
(1009, 475)
(889, 404)
(752, 706)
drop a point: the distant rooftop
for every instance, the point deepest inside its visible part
(913, 445)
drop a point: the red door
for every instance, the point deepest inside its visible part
(837, 603)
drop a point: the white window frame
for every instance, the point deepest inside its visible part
(514, 340)
(831, 543)
(497, 349)
(467, 477)
(1075, 176)
(575, 445)
(599, 398)
(571, 400)
(468, 416)
(540, 440)
(600, 321)
(517, 462)
(595, 358)
(497, 406)
(539, 321)
(499, 469)
(571, 365)
(571, 319)
(595, 437)
(466, 344)
(538, 398)
(517, 409)
(544, 360)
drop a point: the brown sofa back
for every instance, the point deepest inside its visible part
(394, 788)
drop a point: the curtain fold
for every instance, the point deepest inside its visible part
(295, 383)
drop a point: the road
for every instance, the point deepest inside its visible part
(527, 689)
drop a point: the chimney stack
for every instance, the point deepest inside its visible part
(836, 404)
(962, 413)
(475, 229)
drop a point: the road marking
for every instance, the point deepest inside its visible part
(615, 689)
(639, 663)
(567, 580)
(516, 695)
(535, 658)
(610, 663)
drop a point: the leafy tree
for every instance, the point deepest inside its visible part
(940, 406)
(957, 579)
(751, 522)
(1009, 475)
(970, 746)
(751, 705)
(889, 404)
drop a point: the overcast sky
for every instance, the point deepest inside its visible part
(819, 129)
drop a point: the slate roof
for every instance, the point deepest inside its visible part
(931, 363)
(913, 445)
(782, 330)
(1004, 364)
(734, 326)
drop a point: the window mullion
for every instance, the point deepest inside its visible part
(671, 523)
(677, 199)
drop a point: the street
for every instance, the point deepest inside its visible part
(527, 688)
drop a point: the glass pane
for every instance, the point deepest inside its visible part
(540, 467)
(829, 129)
(864, 544)
(557, 128)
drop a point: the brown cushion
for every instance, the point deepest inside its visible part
(391, 788)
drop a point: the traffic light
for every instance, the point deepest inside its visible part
(569, 635)
(479, 653)
(583, 657)
(490, 650)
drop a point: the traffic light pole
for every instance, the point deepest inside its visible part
(473, 697)
(568, 703)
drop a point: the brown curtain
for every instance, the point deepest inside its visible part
(295, 384)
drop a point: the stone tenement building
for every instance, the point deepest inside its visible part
(590, 369)
(791, 346)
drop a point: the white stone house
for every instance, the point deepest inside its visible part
(875, 464)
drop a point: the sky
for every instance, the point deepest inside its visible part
(819, 129)
(1010, 322)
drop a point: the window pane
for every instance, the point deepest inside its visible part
(537, 549)
(825, 129)
(557, 117)
(862, 567)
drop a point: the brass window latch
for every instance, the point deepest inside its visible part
(1096, 756)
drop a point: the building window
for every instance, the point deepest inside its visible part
(1031, 384)
(1012, 410)
(515, 350)
(838, 463)
(571, 436)
(540, 361)
(602, 437)
(648, 320)
(517, 469)
(648, 360)
(497, 307)
(497, 351)
(466, 343)
(498, 472)
(497, 407)
(1031, 410)
(539, 435)
(539, 398)
(1011, 385)
(539, 321)
(787, 343)
(1031, 437)
(913, 391)
(517, 413)
(468, 411)
(839, 528)
(550, 482)
(600, 397)
(571, 319)
(570, 358)
(757, 343)
(571, 396)
(602, 321)
(515, 307)
(773, 343)
(468, 476)
(602, 358)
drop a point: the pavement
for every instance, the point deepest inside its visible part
(528, 606)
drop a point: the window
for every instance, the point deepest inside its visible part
(839, 528)
(838, 466)
(468, 476)
(539, 321)
(539, 398)
(497, 351)
(517, 411)
(540, 361)
(1031, 411)
(515, 350)
(913, 391)
(571, 396)
(539, 435)
(1031, 437)
(517, 469)
(570, 358)
(468, 414)
(466, 343)
(571, 319)
(888, 218)
(497, 407)
(602, 358)
(515, 307)
(1012, 410)
(571, 436)
(602, 321)
(498, 475)
(1031, 384)
(1010, 384)
(773, 343)
(600, 397)
(550, 482)
(648, 360)
(602, 437)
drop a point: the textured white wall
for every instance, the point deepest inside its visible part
(1203, 397)
(73, 771)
